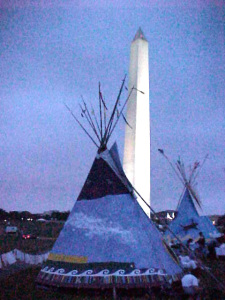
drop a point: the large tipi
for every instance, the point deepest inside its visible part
(108, 241)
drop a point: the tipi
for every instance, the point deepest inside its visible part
(188, 223)
(108, 241)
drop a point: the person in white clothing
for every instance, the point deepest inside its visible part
(187, 263)
(190, 285)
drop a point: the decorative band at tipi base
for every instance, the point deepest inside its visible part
(107, 278)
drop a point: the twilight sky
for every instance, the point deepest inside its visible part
(53, 51)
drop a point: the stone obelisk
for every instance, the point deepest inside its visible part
(136, 160)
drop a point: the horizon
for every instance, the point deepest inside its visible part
(63, 211)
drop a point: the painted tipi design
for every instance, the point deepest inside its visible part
(108, 241)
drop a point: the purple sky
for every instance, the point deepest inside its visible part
(54, 51)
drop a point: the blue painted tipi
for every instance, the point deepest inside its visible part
(108, 241)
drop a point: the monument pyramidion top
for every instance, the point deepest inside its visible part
(139, 35)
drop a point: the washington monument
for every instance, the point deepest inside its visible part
(136, 160)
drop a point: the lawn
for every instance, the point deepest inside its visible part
(47, 233)
(18, 282)
(21, 286)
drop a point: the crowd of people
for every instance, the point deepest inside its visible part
(199, 249)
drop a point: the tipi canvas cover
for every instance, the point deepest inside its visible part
(188, 223)
(108, 240)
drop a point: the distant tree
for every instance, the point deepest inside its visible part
(14, 215)
(36, 216)
(65, 215)
(25, 214)
(221, 221)
(3, 214)
(55, 215)
(47, 217)
(60, 216)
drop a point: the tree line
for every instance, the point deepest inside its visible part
(24, 215)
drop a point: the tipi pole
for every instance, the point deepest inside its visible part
(181, 195)
(200, 168)
(96, 121)
(114, 293)
(106, 135)
(162, 152)
(195, 167)
(138, 90)
(100, 108)
(104, 109)
(121, 111)
(88, 118)
(104, 119)
(81, 125)
(183, 178)
(181, 169)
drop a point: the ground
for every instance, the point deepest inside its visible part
(46, 232)
(18, 280)
(21, 286)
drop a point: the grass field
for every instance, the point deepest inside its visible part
(47, 233)
(18, 281)
(21, 286)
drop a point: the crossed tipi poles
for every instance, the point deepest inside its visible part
(101, 127)
(188, 182)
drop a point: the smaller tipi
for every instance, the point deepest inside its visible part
(188, 223)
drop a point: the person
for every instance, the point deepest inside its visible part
(189, 241)
(212, 249)
(201, 240)
(191, 244)
(201, 250)
(190, 285)
(187, 262)
(221, 239)
(171, 243)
